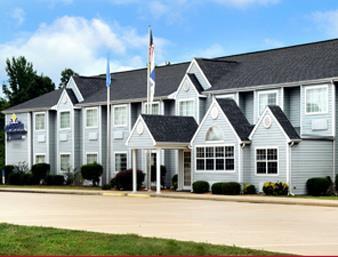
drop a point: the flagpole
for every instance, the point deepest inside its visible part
(108, 84)
(148, 111)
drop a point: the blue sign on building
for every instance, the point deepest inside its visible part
(15, 130)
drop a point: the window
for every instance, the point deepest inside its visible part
(65, 162)
(40, 158)
(186, 108)
(91, 118)
(267, 161)
(120, 114)
(64, 120)
(39, 121)
(265, 99)
(316, 99)
(214, 134)
(91, 158)
(215, 158)
(120, 161)
(155, 108)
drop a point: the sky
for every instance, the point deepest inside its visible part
(80, 34)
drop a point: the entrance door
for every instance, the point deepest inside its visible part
(186, 170)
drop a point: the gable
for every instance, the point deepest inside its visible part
(72, 85)
(197, 71)
(140, 136)
(64, 103)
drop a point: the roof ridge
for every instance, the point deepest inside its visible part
(278, 48)
(216, 60)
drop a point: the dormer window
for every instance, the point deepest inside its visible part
(186, 108)
(316, 99)
(265, 99)
(214, 134)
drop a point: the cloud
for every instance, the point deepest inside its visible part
(327, 22)
(80, 44)
(18, 15)
(245, 3)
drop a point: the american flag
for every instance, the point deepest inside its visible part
(151, 69)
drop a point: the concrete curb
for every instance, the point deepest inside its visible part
(185, 196)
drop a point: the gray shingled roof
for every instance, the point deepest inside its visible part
(133, 84)
(236, 117)
(289, 64)
(284, 122)
(41, 102)
(196, 83)
(177, 129)
(72, 96)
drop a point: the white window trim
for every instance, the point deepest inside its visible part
(233, 96)
(262, 148)
(44, 118)
(113, 114)
(144, 104)
(305, 99)
(97, 156)
(70, 161)
(97, 117)
(214, 171)
(70, 120)
(39, 154)
(265, 92)
(120, 152)
(186, 100)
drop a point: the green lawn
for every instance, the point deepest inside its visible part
(331, 197)
(24, 240)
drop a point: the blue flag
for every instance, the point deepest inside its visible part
(108, 77)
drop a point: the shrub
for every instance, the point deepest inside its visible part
(249, 189)
(226, 188)
(200, 187)
(336, 182)
(106, 187)
(20, 178)
(40, 171)
(174, 182)
(153, 173)
(8, 169)
(318, 186)
(92, 171)
(113, 182)
(77, 178)
(55, 180)
(124, 179)
(278, 188)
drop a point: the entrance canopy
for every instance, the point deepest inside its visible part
(162, 131)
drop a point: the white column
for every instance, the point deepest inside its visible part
(158, 171)
(134, 170)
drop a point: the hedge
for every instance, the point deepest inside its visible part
(92, 171)
(200, 187)
(226, 188)
(40, 171)
(174, 182)
(55, 180)
(8, 169)
(318, 186)
(249, 189)
(124, 179)
(20, 178)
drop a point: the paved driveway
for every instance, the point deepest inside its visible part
(292, 229)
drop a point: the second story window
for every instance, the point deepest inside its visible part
(39, 121)
(155, 108)
(64, 120)
(91, 118)
(120, 116)
(186, 108)
(265, 99)
(316, 99)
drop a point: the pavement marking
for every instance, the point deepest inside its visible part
(137, 195)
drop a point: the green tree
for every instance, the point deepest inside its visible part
(3, 105)
(66, 74)
(23, 81)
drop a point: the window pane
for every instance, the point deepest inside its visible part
(91, 157)
(214, 134)
(209, 152)
(209, 164)
(261, 154)
(219, 151)
(120, 116)
(261, 167)
(220, 164)
(266, 99)
(316, 100)
(65, 120)
(200, 152)
(39, 159)
(91, 119)
(229, 164)
(40, 121)
(200, 164)
(272, 154)
(120, 161)
(186, 108)
(65, 162)
(272, 168)
(229, 151)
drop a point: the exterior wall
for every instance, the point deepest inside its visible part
(272, 137)
(40, 138)
(52, 140)
(141, 141)
(103, 131)
(280, 101)
(229, 138)
(310, 158)
(307, 119)
(19, 151)
(246, 104)
(292, 105)
(77, 137)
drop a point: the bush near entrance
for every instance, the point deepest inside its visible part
(200, 187)
(124, 179)
(226, 188)
(92, 171)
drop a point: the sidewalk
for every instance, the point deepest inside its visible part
(182, 195)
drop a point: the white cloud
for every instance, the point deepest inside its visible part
(82, 45)
(245, 3)
(327, 22)
(18, 15)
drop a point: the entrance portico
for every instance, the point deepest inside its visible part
(159, 132)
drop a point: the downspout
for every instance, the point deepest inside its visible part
(292, 143)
